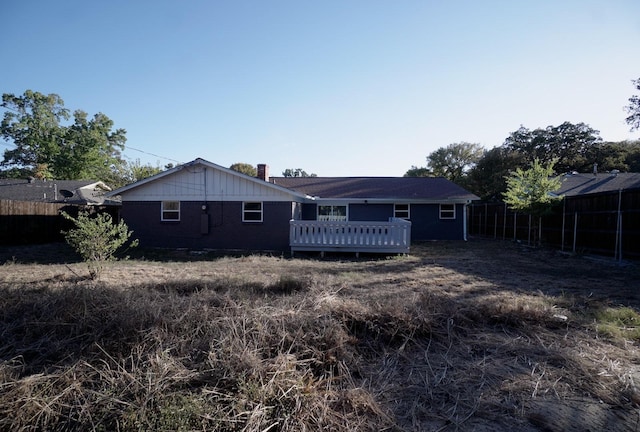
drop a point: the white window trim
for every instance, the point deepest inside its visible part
(245, 211)
(163, 211)
(408, 210)
(448, 211)
(346, 216)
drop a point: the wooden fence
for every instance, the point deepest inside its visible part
(604, 224)
(28, 222)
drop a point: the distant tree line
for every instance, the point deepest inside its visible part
(565, 148)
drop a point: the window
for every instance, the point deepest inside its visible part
(401, 211)
(332, 213)
(170, 211)
(447, 211)
(252, 212)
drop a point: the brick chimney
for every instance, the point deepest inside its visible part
(263, 172)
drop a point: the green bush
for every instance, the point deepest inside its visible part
(97, 238)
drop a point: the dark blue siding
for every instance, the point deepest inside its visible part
(223, 228)
(370, 212)
(309, 211)
(427, 225)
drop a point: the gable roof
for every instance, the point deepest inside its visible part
(67, 191)
(580, 184)
(377, 188)
(201, 162)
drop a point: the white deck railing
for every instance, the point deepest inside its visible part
(393, 236)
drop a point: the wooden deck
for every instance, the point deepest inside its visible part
(337, 236)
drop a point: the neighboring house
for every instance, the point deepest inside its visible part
(79, 192)
(576, 184)
(204, 205)
(30, 209)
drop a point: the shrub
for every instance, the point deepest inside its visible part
(96, 238)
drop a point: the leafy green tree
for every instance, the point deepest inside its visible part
(487, 178)
(531, 191)
(415, 171)
(566, 145)
(138, 171)
(245, 168)
(454, 161)
(88, 148)
(32, 123)
(623, 156)
(297, 172)
(633, 109)
(96, 239)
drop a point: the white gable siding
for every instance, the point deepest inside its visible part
(201, 183)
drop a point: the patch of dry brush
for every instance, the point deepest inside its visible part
(266, 344)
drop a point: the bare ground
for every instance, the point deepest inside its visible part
(481, 335)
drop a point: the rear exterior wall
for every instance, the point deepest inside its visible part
(219, 226)
(425, 219)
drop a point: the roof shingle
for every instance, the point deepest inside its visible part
(406, 188)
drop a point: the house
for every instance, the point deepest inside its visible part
(78, 192)
(204, 205)
(576, 184)
(30, 208)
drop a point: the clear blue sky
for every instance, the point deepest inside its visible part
(336, 88)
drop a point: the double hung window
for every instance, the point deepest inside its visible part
(251, 212)
(447, 211)
(401, 211)
(170, 211)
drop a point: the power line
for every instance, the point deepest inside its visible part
(151, 154)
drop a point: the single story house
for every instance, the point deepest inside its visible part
(206, 206)
(77, 192)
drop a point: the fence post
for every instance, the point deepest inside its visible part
(618, 251)
(564, 206)
(529, 232)
(504, 223)
(495, 225)
(515, 225)
(575, 230)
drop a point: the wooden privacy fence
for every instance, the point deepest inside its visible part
(604, 224)
(29, 222)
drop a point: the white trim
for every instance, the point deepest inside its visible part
(447, 211)
(163, 211)
(395, 211)
(332, 217)
(245, 211)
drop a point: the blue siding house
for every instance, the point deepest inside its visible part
(202, 205)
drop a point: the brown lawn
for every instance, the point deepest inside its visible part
(481, 335)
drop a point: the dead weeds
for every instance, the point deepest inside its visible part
(480, 335)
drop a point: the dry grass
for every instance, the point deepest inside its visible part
(458, 336)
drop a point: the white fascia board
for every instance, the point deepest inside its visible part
(296, 196)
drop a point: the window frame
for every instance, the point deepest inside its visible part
(396, 211)
(332, 217)
(164, 211)
(246, 211)
(447, 211)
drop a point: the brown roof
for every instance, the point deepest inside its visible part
(581, 184)
(405, 188)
